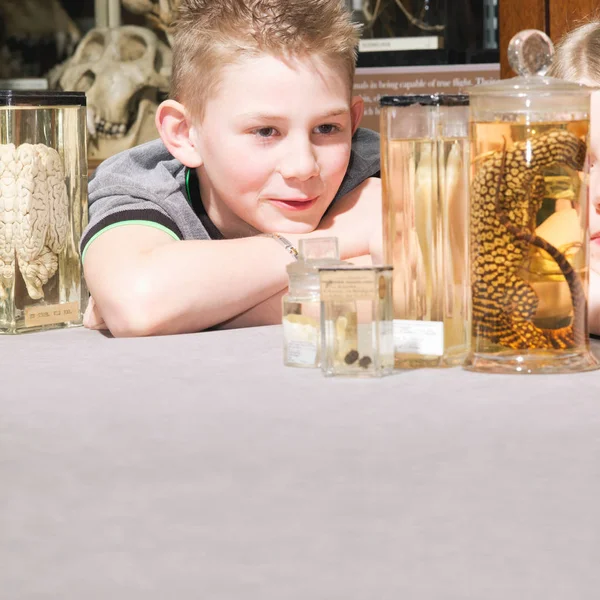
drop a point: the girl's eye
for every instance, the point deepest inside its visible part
(265, 132)
(327, 128)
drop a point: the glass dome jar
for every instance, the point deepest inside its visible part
(529, 218)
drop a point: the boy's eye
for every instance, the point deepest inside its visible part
(265, 132)
(327, 128)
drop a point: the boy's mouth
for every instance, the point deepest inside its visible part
(294, 203)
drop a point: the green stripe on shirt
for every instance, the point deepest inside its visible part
(121, 223)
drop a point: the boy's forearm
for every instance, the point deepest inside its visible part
(192, 285)
(268, 312)
(246, 279)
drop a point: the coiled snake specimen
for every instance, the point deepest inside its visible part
(508, 190)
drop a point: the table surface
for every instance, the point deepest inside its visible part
(198, 467)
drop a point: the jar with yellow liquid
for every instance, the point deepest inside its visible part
(43, 210)
(425, 166)
(528, 222)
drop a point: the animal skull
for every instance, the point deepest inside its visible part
(160, 12)
(28, 23)
(140, 7)
(123, 72)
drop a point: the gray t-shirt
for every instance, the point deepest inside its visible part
(147, 186)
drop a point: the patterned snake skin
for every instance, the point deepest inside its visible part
(508, 190)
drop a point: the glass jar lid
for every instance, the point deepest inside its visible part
(531, 92)
(312, 254)
(425, 100)
(410, 100)
(41, 98)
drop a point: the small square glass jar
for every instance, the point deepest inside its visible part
(43, 209)
(356, 321)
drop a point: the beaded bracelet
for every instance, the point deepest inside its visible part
(284, 242)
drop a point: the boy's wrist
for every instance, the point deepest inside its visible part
(291, 248)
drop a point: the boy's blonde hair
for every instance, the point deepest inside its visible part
(209, 34)
(577, 54)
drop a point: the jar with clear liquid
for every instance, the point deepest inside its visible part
(43, 209)
(529, 218)
(356, 321)
(424, 152)
(302, 303)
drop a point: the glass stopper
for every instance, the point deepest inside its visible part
(318, 248)
(530, 53)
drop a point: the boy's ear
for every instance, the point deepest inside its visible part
(174, 126)
(357, 109)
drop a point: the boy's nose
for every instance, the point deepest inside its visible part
(299, 161)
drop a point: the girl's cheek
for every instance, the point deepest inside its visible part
(594, 190)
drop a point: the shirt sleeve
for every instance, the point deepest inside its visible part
(364, 160)
(112, 211)
(125, 192)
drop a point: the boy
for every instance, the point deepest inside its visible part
(260, 137)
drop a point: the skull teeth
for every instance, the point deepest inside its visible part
(108, 129)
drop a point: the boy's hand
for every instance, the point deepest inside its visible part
(356, 220)
(92, 319)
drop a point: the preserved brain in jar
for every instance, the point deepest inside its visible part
(33, 214)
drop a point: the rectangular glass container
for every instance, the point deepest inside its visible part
(43, 209)
(424, 155)
(453, 196)
(356, 321)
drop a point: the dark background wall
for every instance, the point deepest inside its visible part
(555, 17)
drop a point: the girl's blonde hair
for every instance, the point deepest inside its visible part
(210, 34)
(577, 56)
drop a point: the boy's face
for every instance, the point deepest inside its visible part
(274, 142)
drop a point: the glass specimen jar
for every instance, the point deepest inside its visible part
(43, 209)
(356, 321)
(453, 196)
(302, 303)
(425, 166)
(529, 218)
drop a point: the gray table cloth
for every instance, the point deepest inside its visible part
(198, 467)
